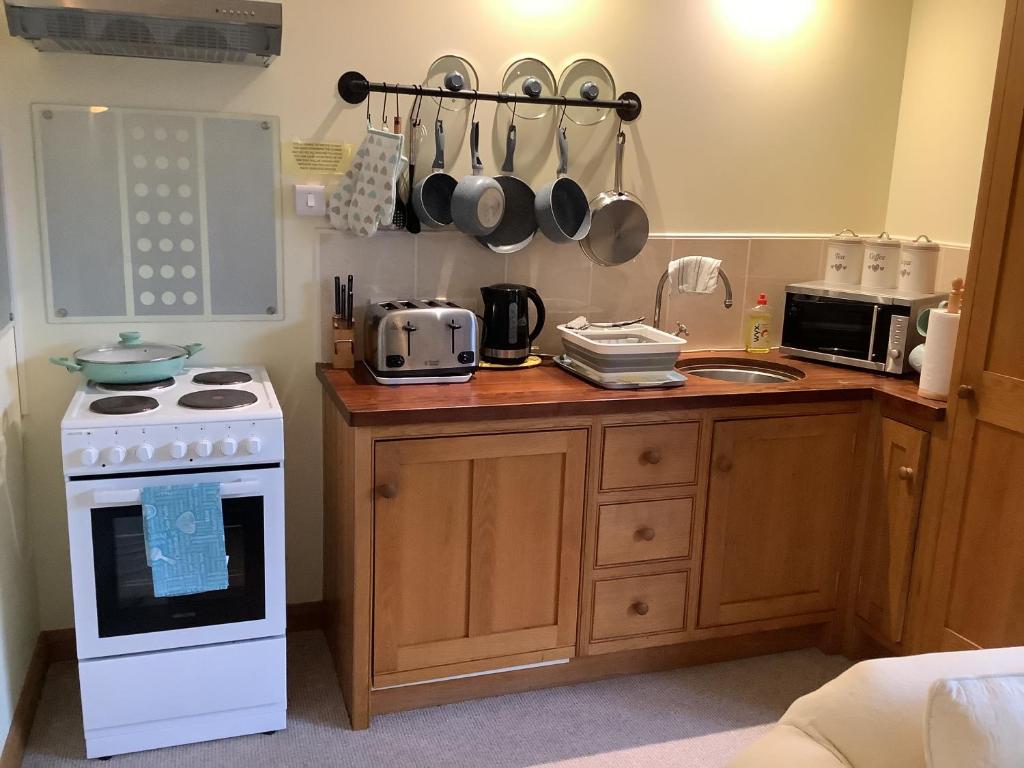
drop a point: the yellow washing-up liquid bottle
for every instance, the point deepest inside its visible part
(758, 326)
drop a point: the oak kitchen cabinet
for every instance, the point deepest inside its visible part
(776, 513)
(476, 552)
(896, 484)
(471, 551)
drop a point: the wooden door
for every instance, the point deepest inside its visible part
(477, 547)
(777, 510)
(977, 596)
(890, 529)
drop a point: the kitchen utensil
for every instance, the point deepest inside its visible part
(919, 264)
(351, 302)
(881, 262)
(129, 361)
(561, 206)
(844, 257)
(412, 221)
(398, 219)
(530, 77)
(519, 222)
(478, 202)
(581, 323)
(446, 71)
(586, 79)
(415, 338)
(634, 349)
(631, 380)
(432, 196)
(619, 226)
(507, 335)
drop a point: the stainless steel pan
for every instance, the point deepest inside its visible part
(619, 225)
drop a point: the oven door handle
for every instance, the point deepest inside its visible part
(131, 496)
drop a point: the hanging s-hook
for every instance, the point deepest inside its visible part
(475, 103)
(398, 112)
(417, 103)
(565, 104)
(514, 105)
(369, 121)
(384, 109)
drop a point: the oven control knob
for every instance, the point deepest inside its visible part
(90, 456)
(228, 446)
(203, 448)
(144, 452)
(252, 446)
(895, 354)
(114, 454)
(178, 449)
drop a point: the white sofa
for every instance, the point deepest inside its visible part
(892, 713)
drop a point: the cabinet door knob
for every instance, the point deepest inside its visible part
(641, 608)
(652, 456)
(645, 533)
(965, 392)
(905, 473)
(724, 463)
(388, 490)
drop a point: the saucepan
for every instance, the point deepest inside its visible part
(562, 208)
(432, 195)
(479, 201)
(129, 361)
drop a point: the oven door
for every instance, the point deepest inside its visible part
(115, 609)
(837, 330)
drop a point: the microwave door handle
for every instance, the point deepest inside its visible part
(131, 496)
(874, 328)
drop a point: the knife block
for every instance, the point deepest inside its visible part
(344, 349)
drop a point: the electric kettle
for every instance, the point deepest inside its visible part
(507, 335)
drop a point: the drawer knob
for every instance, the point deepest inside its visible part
(724, 463)
(388, 490)
(641, 608)
(965, 392)
(645, 533)
(652, 456)
(905, 473)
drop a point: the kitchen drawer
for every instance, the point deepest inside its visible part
(644, 530)
(650, 455)
(639, 605)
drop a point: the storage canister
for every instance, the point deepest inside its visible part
(843, 258)
(919, 264)
(881, 262)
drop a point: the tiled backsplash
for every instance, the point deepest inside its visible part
(448, 264)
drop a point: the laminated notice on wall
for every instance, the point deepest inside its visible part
(321, 158)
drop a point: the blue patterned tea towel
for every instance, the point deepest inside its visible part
(184, 531)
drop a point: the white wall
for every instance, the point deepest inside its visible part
(947, 94)
(19, 624)
(739, 134)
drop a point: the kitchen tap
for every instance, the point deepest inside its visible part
(682, 330)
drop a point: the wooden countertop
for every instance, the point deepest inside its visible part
(548, 391)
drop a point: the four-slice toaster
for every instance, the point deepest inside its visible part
(419, 338)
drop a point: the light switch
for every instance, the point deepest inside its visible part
(310, 200)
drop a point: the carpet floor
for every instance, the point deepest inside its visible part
(699, 716)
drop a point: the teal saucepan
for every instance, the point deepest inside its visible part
(129, 361)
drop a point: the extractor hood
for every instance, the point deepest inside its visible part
(217, 31)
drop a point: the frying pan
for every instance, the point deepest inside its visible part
(478, 202)
(619, 225)
(519, 222)
(562, 209)
(432, 195)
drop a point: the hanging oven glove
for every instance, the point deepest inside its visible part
(366, 195)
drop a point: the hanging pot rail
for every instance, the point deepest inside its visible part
(354, 88)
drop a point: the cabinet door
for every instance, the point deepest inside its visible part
(977, 597)
(477, 547)
(897, 479)
(777, 509)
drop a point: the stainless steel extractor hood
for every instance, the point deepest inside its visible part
(218, 31)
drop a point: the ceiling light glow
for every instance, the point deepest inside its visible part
(98, 110)
(767, 19)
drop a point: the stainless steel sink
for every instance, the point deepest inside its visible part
(741, 371)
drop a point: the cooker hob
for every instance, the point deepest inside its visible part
(123, 405)
(217, 399)
(222, 378)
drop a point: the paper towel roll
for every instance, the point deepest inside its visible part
(938, 354)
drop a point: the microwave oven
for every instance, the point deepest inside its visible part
(870, 328)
